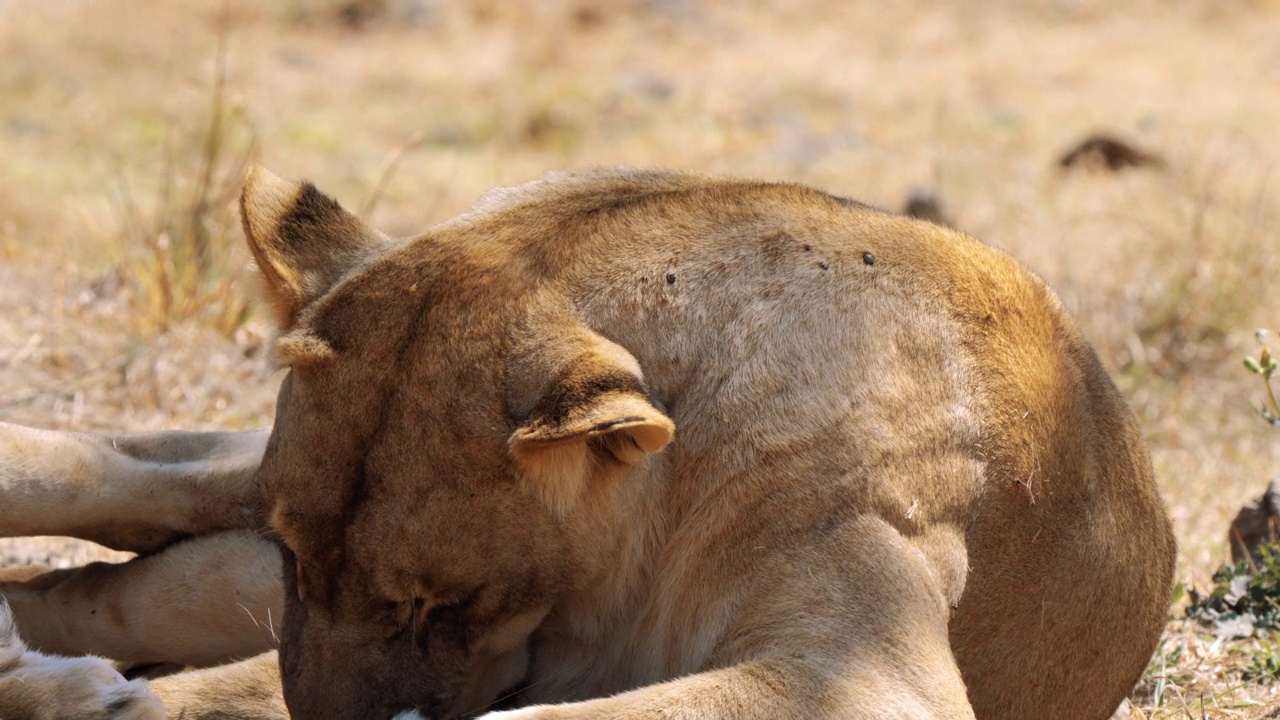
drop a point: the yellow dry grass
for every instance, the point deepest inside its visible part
(108, 176)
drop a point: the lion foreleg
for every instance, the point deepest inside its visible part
(129, 492)
(200, 602)
(854, 626)
(779, 689)
(246, 690)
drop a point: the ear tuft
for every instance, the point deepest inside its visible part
(301, 347)
(558, 473)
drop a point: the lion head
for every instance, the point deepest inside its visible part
(438, 440)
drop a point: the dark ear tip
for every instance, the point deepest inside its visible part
(311, 208)
(266, 201)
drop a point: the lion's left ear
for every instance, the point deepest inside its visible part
(596, 411)
(302, 240)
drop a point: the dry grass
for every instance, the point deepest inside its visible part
(121, 157)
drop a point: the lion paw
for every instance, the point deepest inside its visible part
(35, 686)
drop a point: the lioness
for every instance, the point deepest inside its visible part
(639, 444)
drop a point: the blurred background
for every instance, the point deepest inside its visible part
(1125, 152)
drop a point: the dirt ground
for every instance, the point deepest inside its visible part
(124, 128)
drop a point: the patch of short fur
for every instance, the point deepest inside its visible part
(35, 686)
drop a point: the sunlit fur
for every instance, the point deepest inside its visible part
(36, 686)
(698, 447)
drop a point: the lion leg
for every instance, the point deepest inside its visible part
(875, 647)
(246, 690)
(35, 686)
(204, 601)
(128, 492)
(778, 689)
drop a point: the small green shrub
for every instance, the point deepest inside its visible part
(1264, 366)
(1243, 598)
(1265, 666)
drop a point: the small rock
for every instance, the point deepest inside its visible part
(1257, 524)
(923, 204)
(1101, 151)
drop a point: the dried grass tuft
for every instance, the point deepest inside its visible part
(181, 247)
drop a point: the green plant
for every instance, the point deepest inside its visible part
(1265, 666)
(1159, 670)
(1264, 366)
(1243, 598)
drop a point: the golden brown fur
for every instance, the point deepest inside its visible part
(35, 686)
(654, 445)
(93, 486)
(191, 492)
(212, 596)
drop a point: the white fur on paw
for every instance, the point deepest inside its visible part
(409, 715)
(44, 687)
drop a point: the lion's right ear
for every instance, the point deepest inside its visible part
(593, 408)
(302, 240)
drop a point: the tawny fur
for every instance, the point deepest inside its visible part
(205, 601)
(93, 486)
(900, 484)
(36, 686)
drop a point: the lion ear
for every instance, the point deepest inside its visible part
(596, 412)
(302, 240)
